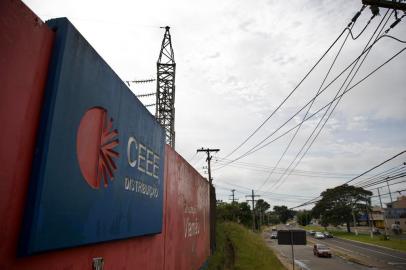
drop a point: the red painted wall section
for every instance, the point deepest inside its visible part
(187, 232)
(25, 50)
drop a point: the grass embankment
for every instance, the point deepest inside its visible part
(378, 240)
(240, 249)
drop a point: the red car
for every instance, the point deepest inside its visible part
(320, 250)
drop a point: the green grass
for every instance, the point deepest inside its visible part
(314, 228)
(241, 249)
(397, 244)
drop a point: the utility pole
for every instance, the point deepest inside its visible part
(369, 215)
(232, 203)
(232, 196)
(390, 194)
(386, 4)
(208, 159)
(253, 207)
(384, 219)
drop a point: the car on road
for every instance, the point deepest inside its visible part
(320, 250)
(274, 235)
(311, 232)
(328, 235)
(319, 235)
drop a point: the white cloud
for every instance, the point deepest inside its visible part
(237, 60)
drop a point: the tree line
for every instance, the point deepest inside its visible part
(340, 205)
(261, 215)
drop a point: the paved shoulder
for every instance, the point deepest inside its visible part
(381, 258)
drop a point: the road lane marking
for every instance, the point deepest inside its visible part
(302, 265)
(393, 256)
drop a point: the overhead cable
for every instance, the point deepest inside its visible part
(282, 177)
(307, 111)
(353, 179)
(297, 86)
(261, 144)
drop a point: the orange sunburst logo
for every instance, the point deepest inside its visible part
(96, 140)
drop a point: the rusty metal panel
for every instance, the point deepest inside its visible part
(187, 232)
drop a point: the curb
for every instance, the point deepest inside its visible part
(284, 260)
(369, 244)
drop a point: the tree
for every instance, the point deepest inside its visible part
(245, 215)
(236, 212)
(341, 204)
(304, 217)
(260, 208)
(273, 218)
(283, 213)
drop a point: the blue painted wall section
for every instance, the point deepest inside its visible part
(126, 199)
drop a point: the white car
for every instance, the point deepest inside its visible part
(319, 235)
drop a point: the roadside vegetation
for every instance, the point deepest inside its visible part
(393, 242)
(345, 205)
(241, 249)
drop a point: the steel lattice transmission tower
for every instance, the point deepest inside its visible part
(165, 92)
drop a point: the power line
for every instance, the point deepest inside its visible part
(308, 109)
(282, 178)
(262, 167)
(385, 172)
(373, 179)
(242, 191)
(394, 192)
(297, 86)
(258, 146)
(312, 201)
(297, 174)
(377, 166)
(389, 178)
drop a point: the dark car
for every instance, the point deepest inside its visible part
(274, 235)
(320, 250)
(328, 235)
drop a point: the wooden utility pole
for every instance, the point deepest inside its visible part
(253, 207)
(384, 219)
(233, 199)
(208, 159)
(390, 193)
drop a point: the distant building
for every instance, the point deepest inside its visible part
(395, 214)
(376, 216)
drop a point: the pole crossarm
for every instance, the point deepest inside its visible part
(208, 159)
(386, 4)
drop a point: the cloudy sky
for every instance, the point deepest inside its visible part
(236, 62)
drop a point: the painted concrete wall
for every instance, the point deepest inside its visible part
(187, 234)
(25, 51)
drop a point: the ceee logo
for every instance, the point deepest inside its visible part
(95, 143)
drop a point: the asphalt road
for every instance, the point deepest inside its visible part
(305, 260)
(381, 258)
